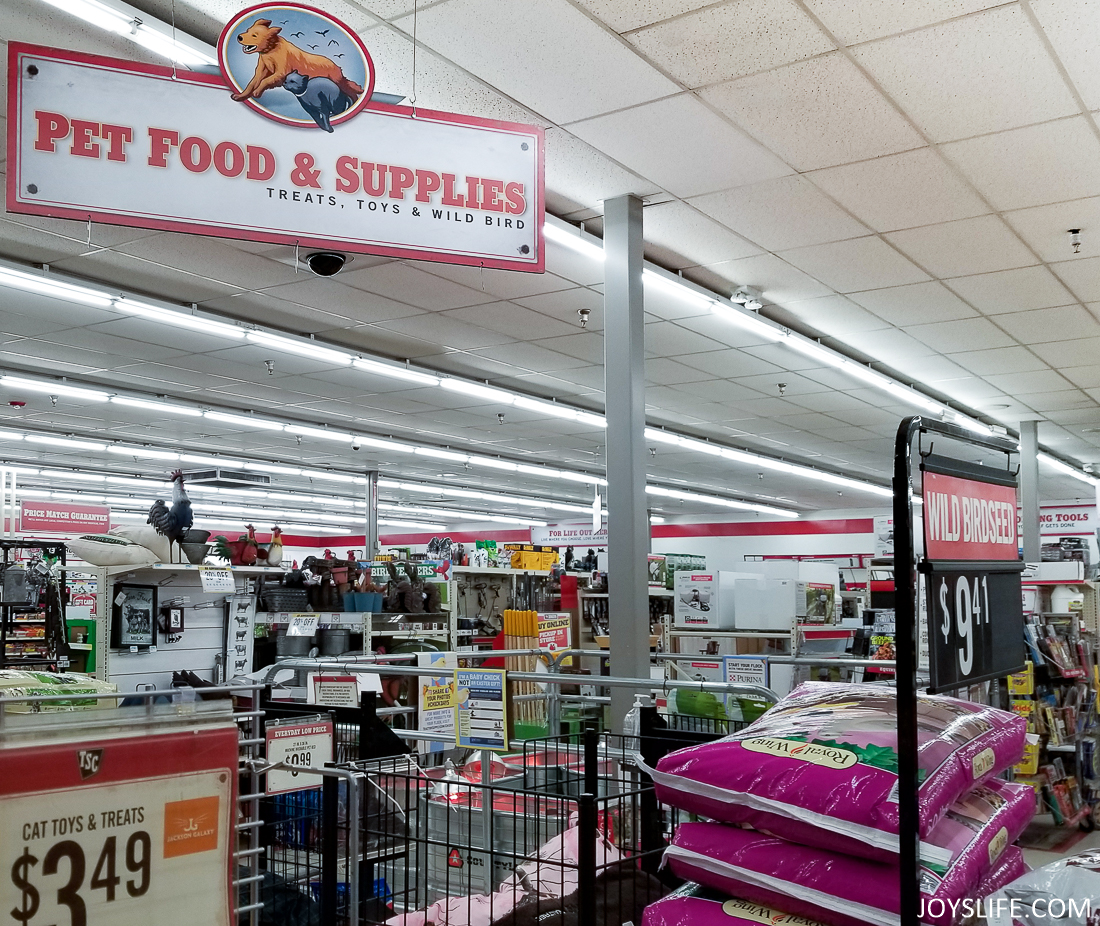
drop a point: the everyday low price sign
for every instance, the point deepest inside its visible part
(122, 832)
(300, 745)
(134, 144)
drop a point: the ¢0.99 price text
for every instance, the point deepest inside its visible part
(64, 869)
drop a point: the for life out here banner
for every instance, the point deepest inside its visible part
(133, 144)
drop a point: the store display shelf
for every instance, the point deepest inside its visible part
(653, 593)
(1065, 747)
(732, 634)
(498, 571)
(81, 646)
(29, 620)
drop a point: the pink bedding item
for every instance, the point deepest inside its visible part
(820, 768)
(970, 841)
(693, 905)
(550, 873)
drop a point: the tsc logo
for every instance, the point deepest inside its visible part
(296, 65)
(88, 760)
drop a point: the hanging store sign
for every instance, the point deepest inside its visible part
(119, 831)
(569, 535)
(968, 519)
(481, 709)
(284, 147)
(63, 518)
(299, 745)
(971, 573)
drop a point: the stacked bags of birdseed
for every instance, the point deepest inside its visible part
(816, 778)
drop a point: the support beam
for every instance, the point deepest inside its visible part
(624, 389)
(370, 532)
(1029, 491)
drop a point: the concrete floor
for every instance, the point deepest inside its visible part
(1036, 858)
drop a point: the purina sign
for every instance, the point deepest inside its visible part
(284, 147)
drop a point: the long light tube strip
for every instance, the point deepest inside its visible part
(12, 276)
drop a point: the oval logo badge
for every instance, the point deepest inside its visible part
(296, 65)
(826, 756)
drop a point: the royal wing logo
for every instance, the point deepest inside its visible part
(296, 65)
(826, 756)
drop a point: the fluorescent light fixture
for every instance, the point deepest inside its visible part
(971, 425)
(179, 319)
(65, 442)
(1066, 469)
(577, 477)
(37, 385)
(143, 452)
(752, 323)
(381, 444)
(414, 525)
(597, 421)
(701, 446)
(676, 288)
(302, 348)
(386, 369)
(573, 240)
(547, 408)
(246, 421)
(462, 515)
(166, 408)
(10, 435)
(34, 493)
(436, 454)
(76, 475)
(167, 47)
(327, 474)
(656, 519)
(318, 433)
(662, 437)
(44, 286)
(478, 391)
(494, 463)
(137, 483)
(268, 468)
(199, 460)
(721, 502)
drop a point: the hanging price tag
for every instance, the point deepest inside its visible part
(217, 579)
(122, 833)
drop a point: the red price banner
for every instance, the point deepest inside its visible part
(121, 831)
(966, 519)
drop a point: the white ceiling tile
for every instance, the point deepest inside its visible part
(914, 304)
(971, 390)
(624, 15)
(437, 328)
(982, 73)
(667, 339)
(773, 276)
(1012, 290)
(1059, 401)
(587, 346)
(856, 264)
(779, 214)
(816, 113)
(554, 59)
(507, 284)
(1020, 384)
(969, 246)
(854, 22)
(1071, 26)
(585, 175)
(667, 372)
(405, 283)
(682, 146)
(1072, 352)
(1000, 360)
(1084, 377)
(507, 316)
(719, 390)
(831, 315)
(901, 190)
(1041, 326)
(341, 301)
(1045, 227)
(673, 230)
(888, 345)
(565, 305)
(731, 39)
(935, 370)
(529, 358)
(1031, 166)
(970, 333)
(731, 363)
(1082, 276)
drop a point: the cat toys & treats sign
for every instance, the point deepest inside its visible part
(284, 146)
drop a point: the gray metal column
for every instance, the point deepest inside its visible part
(1029, 491)
(370, 532)
(624, 388)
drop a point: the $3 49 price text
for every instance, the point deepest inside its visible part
(120, 867)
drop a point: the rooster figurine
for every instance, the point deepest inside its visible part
(176, 521)
(273, 554)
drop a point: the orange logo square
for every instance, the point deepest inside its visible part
(191, 826)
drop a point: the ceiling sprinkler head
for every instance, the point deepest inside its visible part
(500, 417)
(53, 401)
(1075, 240)
(584, 313)
(782, 388)
(270, 364)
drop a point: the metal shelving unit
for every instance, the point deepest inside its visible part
(44, 653)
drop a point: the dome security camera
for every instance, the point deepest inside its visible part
(355, 445)
(326, 263)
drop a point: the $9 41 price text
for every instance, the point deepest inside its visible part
(121, 869)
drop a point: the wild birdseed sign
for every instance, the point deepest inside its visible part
(285, 146)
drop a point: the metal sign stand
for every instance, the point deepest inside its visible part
(906, 565)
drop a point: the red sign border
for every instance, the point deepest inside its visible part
(16, 50)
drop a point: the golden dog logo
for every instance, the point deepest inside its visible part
(296, 65)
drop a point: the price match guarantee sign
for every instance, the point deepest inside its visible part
(119, 832)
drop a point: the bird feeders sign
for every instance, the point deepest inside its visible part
(285, 146)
